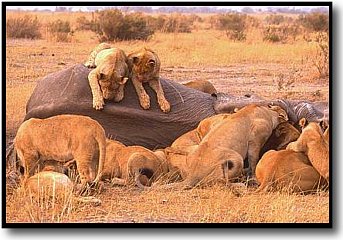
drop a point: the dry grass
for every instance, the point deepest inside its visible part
(271, 70)
(213, 204)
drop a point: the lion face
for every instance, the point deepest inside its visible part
(111, 77)
(282, 113)
(145, 65)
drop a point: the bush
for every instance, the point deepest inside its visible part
(135, 27)
(60, 30)
(275, 19)
(113, 25)
(177, 23)
(317, 22)
(280, 33)
(234, 25)
(321, 60)
(84, 24)
(23, 27)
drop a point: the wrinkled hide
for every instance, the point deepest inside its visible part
(296, 109)
(68, 92)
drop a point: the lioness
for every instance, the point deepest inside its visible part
(50, 184)
(221, 152)
(281, 136)
(177, 153)
(201, 85)
(312, 143)
(124, 163)
(286, 169)
(145, 67)
(63, 138)
(111, 72)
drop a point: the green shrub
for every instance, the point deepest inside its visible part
(23, 27)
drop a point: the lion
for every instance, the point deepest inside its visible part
(281, 136)
(312, 143)
(201, 85)
(145, 67)
(126, 163)
(177, 153)
(49, 184)
(286, 169)
(111, 72)
(220, 153)
(62, 138)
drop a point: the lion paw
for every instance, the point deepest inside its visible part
(98, 104)
(144, 100)
(90, 65)
(165, 106)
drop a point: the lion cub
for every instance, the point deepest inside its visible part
(63, 138)
(145, 67)
(111, 72)
(124, 164)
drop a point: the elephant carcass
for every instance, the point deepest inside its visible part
(68, 92)
(296, 109)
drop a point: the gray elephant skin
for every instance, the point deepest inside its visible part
(68, 92)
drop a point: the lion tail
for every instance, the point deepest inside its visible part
(101, 139)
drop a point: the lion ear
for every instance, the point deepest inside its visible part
(135, 59)
(151, 62)
(303, 122)
(123, 80)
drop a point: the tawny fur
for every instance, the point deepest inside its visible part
(127, 163)
(281, 136)
(221, 152)
(177, 153)
(287, 170)
(62, 138)
(50, 184)
(201, 85)
(312, 143)
(111, 72)
(145, 67)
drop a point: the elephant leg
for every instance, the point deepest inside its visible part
(144, 98)
(155, 84)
